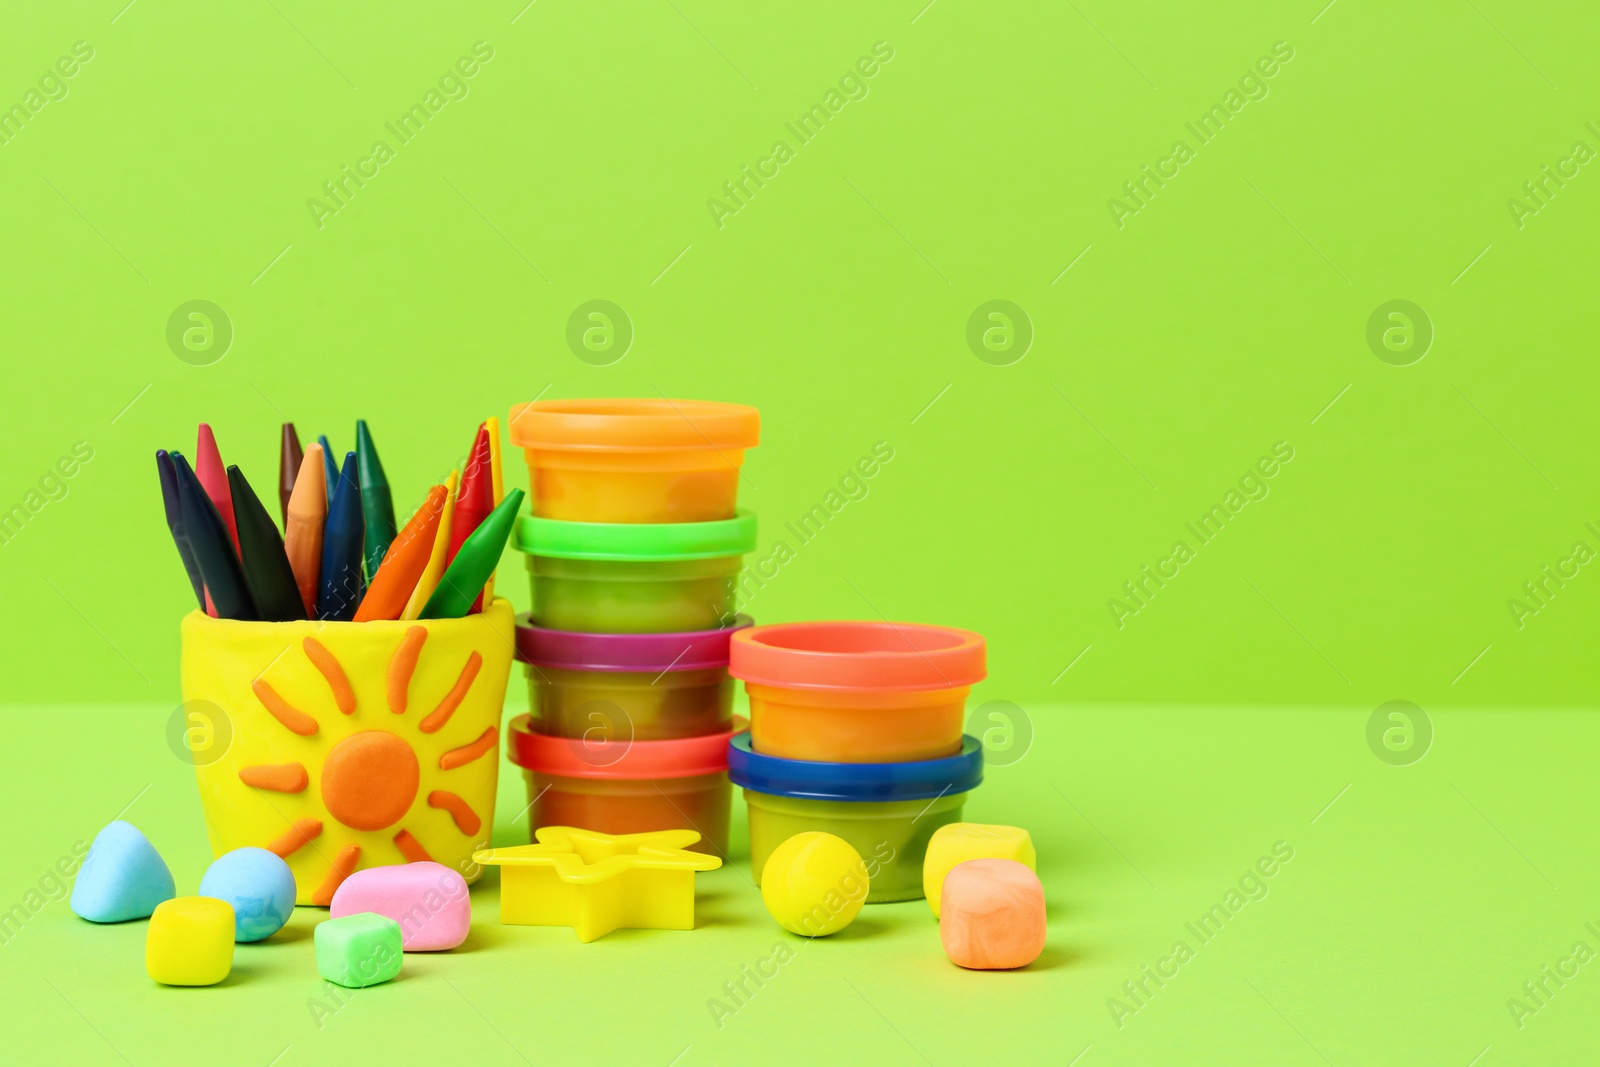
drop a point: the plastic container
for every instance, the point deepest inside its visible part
(857, 692)
(595, 577)
(345, 745)
(649, 460)
(647, 687)
(887, 811)
(617, 787)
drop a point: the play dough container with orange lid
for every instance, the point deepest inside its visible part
(615, 785)
(856, 692)
(885, 811)
(654, 686)
(646, 460)
(346, 745)
(599, 577)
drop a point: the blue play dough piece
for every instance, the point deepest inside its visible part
(123, 878)
(260, 887)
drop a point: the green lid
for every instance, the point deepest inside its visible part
(637, 541)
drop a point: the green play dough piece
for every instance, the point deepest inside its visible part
(358, 950)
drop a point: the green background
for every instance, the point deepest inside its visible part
(1169, 353)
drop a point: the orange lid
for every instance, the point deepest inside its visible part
(582, 757)
(857, 655)
(637, 425)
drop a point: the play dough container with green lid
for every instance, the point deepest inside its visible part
(651, 687)
(857, 692)
(641, 460)
(886, 811)
(597, 577)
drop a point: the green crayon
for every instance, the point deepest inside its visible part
(377, 506)
(463, 580)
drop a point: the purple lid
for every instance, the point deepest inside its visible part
(690, 650)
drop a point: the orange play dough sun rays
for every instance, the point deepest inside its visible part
(369, 781)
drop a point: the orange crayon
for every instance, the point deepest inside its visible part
(407, 557)
(436, 558)
(302, 534)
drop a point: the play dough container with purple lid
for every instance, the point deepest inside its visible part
(885, 811)
(630, 578)
(620, 787)
(857, 692)
(650, 687)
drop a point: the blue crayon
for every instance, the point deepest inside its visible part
(169, 500)
(213, 547)
(330, 473)
(339, 586)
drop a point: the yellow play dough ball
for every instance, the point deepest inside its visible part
(814, 884)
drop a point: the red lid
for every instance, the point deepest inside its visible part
(581, 757)
(857, 655)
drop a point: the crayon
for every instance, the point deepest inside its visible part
(463, 580)
(339, 585)
(266, 569)
(289, 457)
(213, 548)
(428, 581)
(169, 501)
(302, 532)
(475, 498)
(404, 562)
(492, 424)
(377, 506)
(330, 472)
(208, 467)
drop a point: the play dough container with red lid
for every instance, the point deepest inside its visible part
(652, 686)
(345, 745)
(856, 692)
(600, 577)
(615, 785)
(643, 460)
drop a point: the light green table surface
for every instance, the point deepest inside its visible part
(1418, 901)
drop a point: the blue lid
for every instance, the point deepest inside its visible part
(812, 780)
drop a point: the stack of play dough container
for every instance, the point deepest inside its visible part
(856, 730)
(634, 547)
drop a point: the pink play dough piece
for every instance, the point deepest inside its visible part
(428, 900)
(991, 915)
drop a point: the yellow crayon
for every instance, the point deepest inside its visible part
(441, 545)
(492, 424)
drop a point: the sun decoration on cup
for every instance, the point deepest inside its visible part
(370, 779)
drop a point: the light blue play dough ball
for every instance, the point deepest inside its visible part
(260, 887)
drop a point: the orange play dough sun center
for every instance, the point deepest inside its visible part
(369, 780)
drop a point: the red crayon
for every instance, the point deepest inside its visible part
(475, 498)
(214, 478)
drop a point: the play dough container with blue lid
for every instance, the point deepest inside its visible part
(601, 577)
(885, 811)
(652, 687)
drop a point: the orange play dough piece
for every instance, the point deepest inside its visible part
(991, 915)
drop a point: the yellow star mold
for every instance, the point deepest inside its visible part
(597, 883)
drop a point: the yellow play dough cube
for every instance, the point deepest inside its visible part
(190, 941)
(959, 842)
